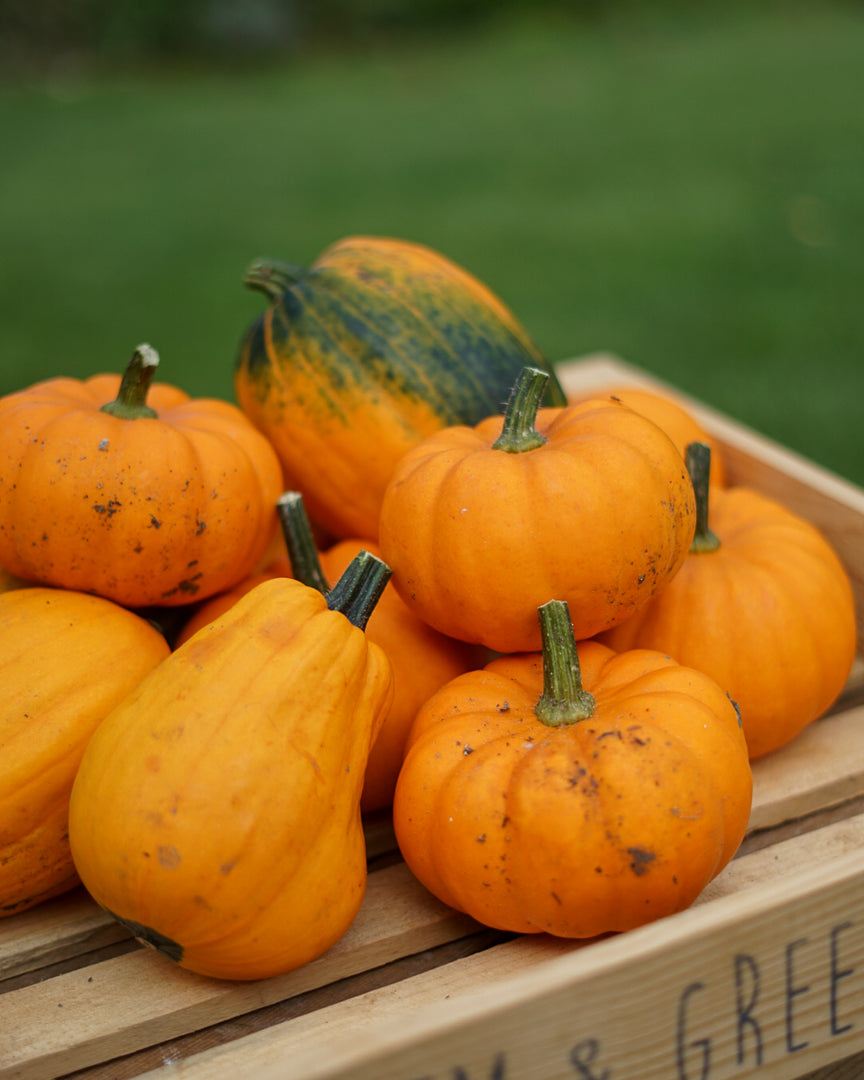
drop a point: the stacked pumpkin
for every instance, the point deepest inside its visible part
(544, 691)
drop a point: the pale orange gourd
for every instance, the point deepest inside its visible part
(590, 504)
(66, 660)
(216, 811)
(132, 491)
(573, 792)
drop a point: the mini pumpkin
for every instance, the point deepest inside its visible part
(669, 414)
(573, 792)
(377, 344)
(762, 604)
(66, 660)
(216, 811)
(590, 503)
(137, 493)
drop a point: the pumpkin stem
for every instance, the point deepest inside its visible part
(563, 700)
(698, 458)
(519, 433)
(272, 277)
(359, 589)
(131, 400)
(302, 552)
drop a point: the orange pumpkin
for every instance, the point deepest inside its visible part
(573, 792)
(481, 525)
(422, 659)
(66, 660)
(216, 811)
(669, 414)
(137, 493)
(762, 604)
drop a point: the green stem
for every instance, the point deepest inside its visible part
(519, 433)
(302, 551)
(698, 458)
(563, 700)
(359, 589)
(131, 400)
(272, 277)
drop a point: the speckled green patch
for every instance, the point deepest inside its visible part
(350, 329)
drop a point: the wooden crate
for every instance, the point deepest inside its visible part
(763, 977)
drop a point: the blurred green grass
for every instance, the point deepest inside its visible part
(686, 192)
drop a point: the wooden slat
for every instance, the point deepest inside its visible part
(470, 979)
(852, 691)
(851, 1068)
(647, 1005)
(65, 927)
(822, 767)
(112, 1008)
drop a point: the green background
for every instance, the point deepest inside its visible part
(684, 189)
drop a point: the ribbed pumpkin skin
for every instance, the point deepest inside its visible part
(146, 512)
(378, 344)
(594, 826)
(66, 660)
(217, 809)
(669, 414)
(770, 615)
(600, 516)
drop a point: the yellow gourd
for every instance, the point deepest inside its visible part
(217, 811)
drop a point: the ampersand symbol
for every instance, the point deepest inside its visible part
(582, 1057)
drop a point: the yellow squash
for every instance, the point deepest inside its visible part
(217, 811)
(66, 660)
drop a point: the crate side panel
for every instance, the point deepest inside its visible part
(647, 1005)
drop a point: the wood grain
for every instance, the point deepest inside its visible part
(111, 1008)
(823, 767)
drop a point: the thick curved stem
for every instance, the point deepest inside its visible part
(272, 277)
(359, 589)
(698, 458)
(519, 433)
(564, 700)
(131, 400)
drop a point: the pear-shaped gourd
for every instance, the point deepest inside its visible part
(216, 812)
